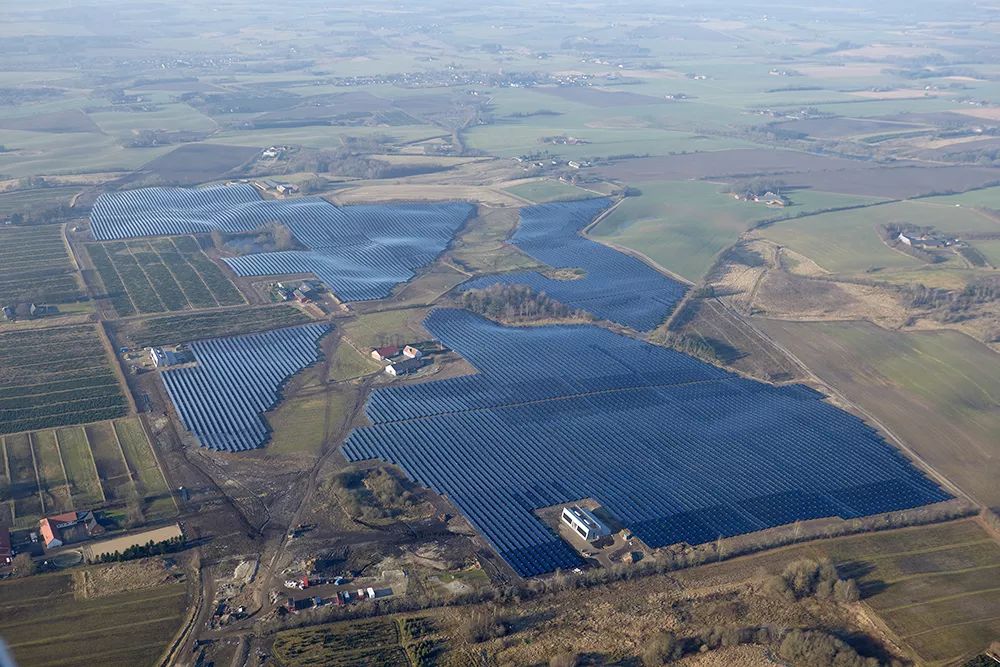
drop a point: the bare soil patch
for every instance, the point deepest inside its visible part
(192, 164)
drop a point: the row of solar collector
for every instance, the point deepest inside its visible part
(222, 399)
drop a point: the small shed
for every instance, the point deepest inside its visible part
(385, 353)
(404, 367)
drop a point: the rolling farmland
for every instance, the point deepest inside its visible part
(56, 377)
(34, 266)
(101, 464)
(42, 616)
(163, 274)
(678, 450)
(361, 252)
(615, 286)
(223, 398)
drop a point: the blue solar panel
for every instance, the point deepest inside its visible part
(676, 449)
(615, 286)
(361, 252)
(223, 398)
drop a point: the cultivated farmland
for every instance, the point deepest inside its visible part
(102, 465)
(223, 398)
(181, 328)
(163, 274)
(127, 628)
(56, 377)
(706, 453)
(34, 266)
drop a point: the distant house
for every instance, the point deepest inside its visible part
(68, 528)
(584, 523)
(287, 188)
(404, 367)
(923, 241)
(6, 552)
(411, 352)
(9, 313)
(306, 292)
(385, 353)
(772, 199)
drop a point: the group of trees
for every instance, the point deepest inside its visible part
(269, 237)
(794, 646)
(953, 305)
(515, 303)
(806, 578)
(151, 548)
(372, 495)
(44, 215)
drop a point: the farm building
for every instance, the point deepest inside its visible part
(385, 353)
(584, 523)
(9, 313)
(6, 552)
(40, 310)
(120, 544)
(411, 352)
(161, 357)
(923, 241)
(68, 528)
(404, 367)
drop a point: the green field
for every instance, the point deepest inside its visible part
(157, 275)
(849, 241)
(35, 266)
(131, 628)
(682, 226)
(56, 377)
(196, 326)
(938, 391)
(144, 470)
(546, 190)
(390, 327)
(933, 586)
(19, 201)
(97, 466)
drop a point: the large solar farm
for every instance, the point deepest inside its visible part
(677, 450)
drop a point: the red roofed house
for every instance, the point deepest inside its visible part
(6, 553)
(383, 353)
(67, 528)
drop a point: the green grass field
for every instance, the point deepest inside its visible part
(142, 465)
(682, 226)
(81, 468)
(390, 327)
(40, 616)
(23, 200)
(546, 190)
(938, 391)
(848, 241)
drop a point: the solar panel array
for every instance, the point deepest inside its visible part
(222, 399)
(361, 252)
(616, 287)
(676, 449)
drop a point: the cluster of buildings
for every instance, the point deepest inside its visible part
(68, 528)
(402, 360)
(340, 598)
(925, 241)
(18, 311)
(269, 185)
(769, 199)
(275, 152)
(306, 291)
